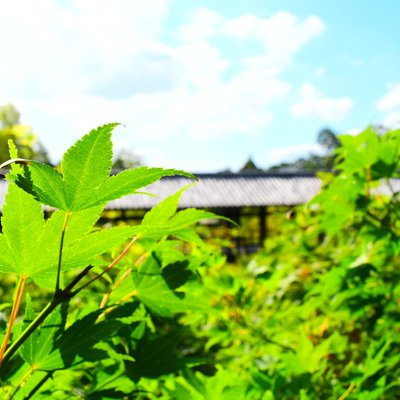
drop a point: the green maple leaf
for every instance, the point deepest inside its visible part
(29, 244)
(164, 219)
(155, 290)
(84, 179)
(38, 347)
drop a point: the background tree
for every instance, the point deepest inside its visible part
(311, 163)
(328, 139)
(250, 166)
(25, 140)
(125, 159)
(314, 162)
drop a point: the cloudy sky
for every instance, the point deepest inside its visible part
(201, 85)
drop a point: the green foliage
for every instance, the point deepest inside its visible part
(156, 288)
(37, 351)
(31, 244)
(25, 140)
(315, 315)
(151, 311)
(66, 253)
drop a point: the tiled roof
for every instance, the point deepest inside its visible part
(229, 190)
(225, 190)
(221, 190)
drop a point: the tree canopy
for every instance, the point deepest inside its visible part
(125, 159)
(314, 162)
(24, 139)
(250, 166)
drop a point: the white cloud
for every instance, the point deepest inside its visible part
(391, 100)
(73, 67)
(282, 34)
(292, 153)
(195, 162)
(205, 24)
(314, 104)
(390, 105)
(353, 131)
(392, 120)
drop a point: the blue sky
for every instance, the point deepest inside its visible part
(201, 85)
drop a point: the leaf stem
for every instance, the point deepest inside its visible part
(64, 228)
(39, 385)
(14, 160)
(111, 265)
(106, 297)
(133, 293)
(347, 391)
(14, 312)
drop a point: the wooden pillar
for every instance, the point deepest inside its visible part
(263, 229)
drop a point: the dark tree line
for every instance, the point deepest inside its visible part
(310, 163)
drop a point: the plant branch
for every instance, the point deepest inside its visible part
(62, 296)
(77, 279)
(106, 297)
(32, 327)
(110, 266)
(64, 228)
(14, 312)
